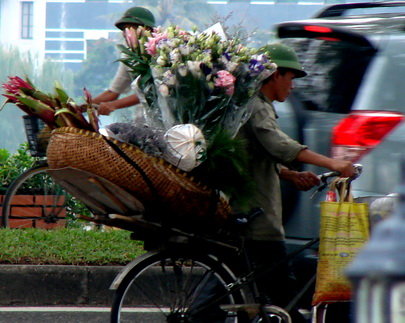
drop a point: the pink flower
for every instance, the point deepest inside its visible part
(130, 38)
(226, 80)
(154, 41)
(11, 98)
(14, 85)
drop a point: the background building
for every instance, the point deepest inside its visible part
(74, 42)
(60, 30)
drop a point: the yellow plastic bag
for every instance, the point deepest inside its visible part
(344, 229)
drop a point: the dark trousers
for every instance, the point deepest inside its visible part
(275, 280)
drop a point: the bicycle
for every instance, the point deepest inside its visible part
(184, 276)
(50, 199)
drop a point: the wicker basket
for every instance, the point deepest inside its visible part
(177, 194)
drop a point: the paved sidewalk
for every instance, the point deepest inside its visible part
(33, 285)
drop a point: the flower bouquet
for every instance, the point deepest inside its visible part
(46, 112)
(55, 110)
(196, 88)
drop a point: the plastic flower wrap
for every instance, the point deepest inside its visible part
(201, 79)
(195, 78)
(186, 146)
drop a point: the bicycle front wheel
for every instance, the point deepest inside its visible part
(34, 200)
(175, 287)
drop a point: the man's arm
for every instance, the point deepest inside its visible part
(108, 100)
(105, 108)
(105, 97)
(345, 167)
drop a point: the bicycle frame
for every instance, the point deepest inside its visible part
(112, 206)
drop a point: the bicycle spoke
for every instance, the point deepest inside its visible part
(35, 200)
(169, 290)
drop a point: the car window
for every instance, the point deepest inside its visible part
(374, 11)
(335, 71)
(383, 87)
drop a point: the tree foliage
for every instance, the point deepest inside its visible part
(99, 68)
(183, 13)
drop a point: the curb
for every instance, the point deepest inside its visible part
(34, 285)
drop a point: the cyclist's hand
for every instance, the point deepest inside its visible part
(303, 181)
(83, 107)
(344, 167)
(105, 108)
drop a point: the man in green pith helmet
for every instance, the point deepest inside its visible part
(109, 101)
(271, 153)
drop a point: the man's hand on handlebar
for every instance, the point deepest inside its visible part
(344, 167)
(358, 168)
(303, 181)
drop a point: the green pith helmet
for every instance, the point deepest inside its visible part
(285, 57)
(136, 15)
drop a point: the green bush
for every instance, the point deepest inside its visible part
(13, 165)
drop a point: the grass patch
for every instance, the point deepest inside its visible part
(68, 247)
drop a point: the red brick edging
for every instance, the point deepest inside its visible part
(33, 208)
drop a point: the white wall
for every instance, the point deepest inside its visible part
(10, 26)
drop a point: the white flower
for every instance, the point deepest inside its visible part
(182, 70)
(194, 67)
(157, 72)
(175, 56)
(164, 90)
(161, 60)
(169, 78)
(231, 66)
(185, 50)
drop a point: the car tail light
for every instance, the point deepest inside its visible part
(320, 31)
(361, 131)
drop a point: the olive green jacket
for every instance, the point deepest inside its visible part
(268, 147)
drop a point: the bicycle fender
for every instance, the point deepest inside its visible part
(121, 275)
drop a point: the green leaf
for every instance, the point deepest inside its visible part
(4, 154)
(226, 167)
(61, 93)
(64, 110)
(35, 105)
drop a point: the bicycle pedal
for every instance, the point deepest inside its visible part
(278, 311)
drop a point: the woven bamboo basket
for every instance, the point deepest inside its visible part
(177, 194)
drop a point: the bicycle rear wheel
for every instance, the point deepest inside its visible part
(24, 206)
(174, 287)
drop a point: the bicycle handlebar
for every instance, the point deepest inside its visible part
(358, 170)
(325, 176)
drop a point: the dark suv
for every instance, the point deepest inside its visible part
(352, 103)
